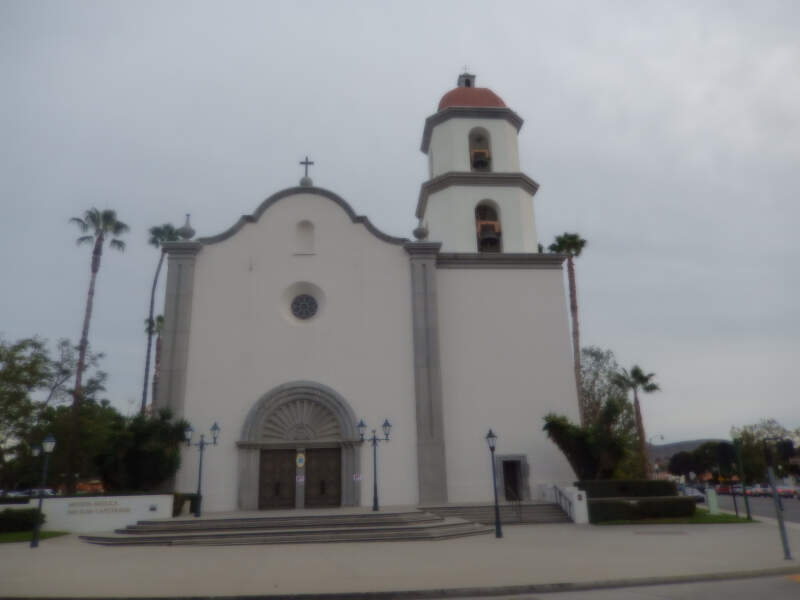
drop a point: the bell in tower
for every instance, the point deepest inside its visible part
(487, 227)
(476, 198)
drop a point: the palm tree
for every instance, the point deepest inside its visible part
(158, 330)
(158, 235)
(572, 244)
(637, 380)
(97, 226)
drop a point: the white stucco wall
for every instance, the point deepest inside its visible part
(244, 343)
(506, 363)
(449, 145)
(450, 217)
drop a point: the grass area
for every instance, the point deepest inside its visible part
(25, 536)
(700, 517)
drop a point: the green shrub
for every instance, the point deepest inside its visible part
(18, 519)
(635, 509)
(627, 488)
(14, 499)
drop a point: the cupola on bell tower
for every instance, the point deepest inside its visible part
(476, 199)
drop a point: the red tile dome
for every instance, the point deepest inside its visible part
(471, 96)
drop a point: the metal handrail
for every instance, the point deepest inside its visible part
(562, 499)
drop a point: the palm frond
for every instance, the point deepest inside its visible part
(163, 233)
(568, 243)
(85, 239)
(117, 245)
(119, 228)
(83, 225)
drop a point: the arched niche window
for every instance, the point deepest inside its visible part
(304, 238)
(480, 158)
(487, 227)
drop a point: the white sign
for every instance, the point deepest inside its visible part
(356, 476)
(300, 478)
(86, 514)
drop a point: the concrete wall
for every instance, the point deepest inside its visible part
(506, 363)
(450, 217)
(449, 146)
(244, 341)
(87, 514)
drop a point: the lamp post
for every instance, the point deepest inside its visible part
(778, 508)
(48, 444)
(491, 439)
(387, 427)
(201, 445)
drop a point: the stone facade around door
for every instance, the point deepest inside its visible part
(300, 417)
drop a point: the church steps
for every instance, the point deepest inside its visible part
(510, 514)
(356, 520)
(437, 529)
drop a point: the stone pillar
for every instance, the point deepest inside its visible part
(431, 466)
(177, 320)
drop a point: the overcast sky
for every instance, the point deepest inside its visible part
(666, 133)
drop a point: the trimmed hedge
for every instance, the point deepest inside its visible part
(18, 519)
(631, 488)
(634, 509)
(14, 499)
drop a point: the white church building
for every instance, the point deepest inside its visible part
(302, 319)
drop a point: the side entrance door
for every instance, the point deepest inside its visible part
(323, 477)
(276, 479)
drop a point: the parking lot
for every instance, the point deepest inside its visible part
(764, 507)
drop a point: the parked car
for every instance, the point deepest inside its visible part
(737, 490)
(723, 488)
(694, 493)
(45, 492)
(786, 491)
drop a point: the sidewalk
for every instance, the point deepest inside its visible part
(527, 555)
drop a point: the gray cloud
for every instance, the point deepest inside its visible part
(667, 134)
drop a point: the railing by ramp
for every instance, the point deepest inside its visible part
(573, 502)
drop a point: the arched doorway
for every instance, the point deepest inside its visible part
(298, 449)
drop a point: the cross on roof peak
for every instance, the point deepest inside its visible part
(306, 180)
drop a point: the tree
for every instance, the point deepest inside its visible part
(62, 369)
(97, 226)
(767, 428)
(637, 380)
(683, 463)
(596, 451)
(32, 385)
(599, 383)
(572, 244)
(751, 453)
(158, 235)
(24, 367)
(159, 329)
(144, 451)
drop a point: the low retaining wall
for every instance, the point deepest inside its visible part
(86, 514)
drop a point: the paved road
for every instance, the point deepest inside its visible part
(773, 588)
(764, 507)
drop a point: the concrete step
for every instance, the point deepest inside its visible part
(509, 514)
(292, 522)
(431, 530)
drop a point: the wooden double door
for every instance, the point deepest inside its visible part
(285, 484)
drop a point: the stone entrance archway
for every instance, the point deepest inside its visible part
(299, 418)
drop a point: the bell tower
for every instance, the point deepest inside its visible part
(476, 199)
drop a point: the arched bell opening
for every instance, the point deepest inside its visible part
(480, 158)
(487, 227)
(298, 449)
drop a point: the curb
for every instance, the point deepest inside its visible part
(432, 594)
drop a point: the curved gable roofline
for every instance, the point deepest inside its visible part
(244, 219)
